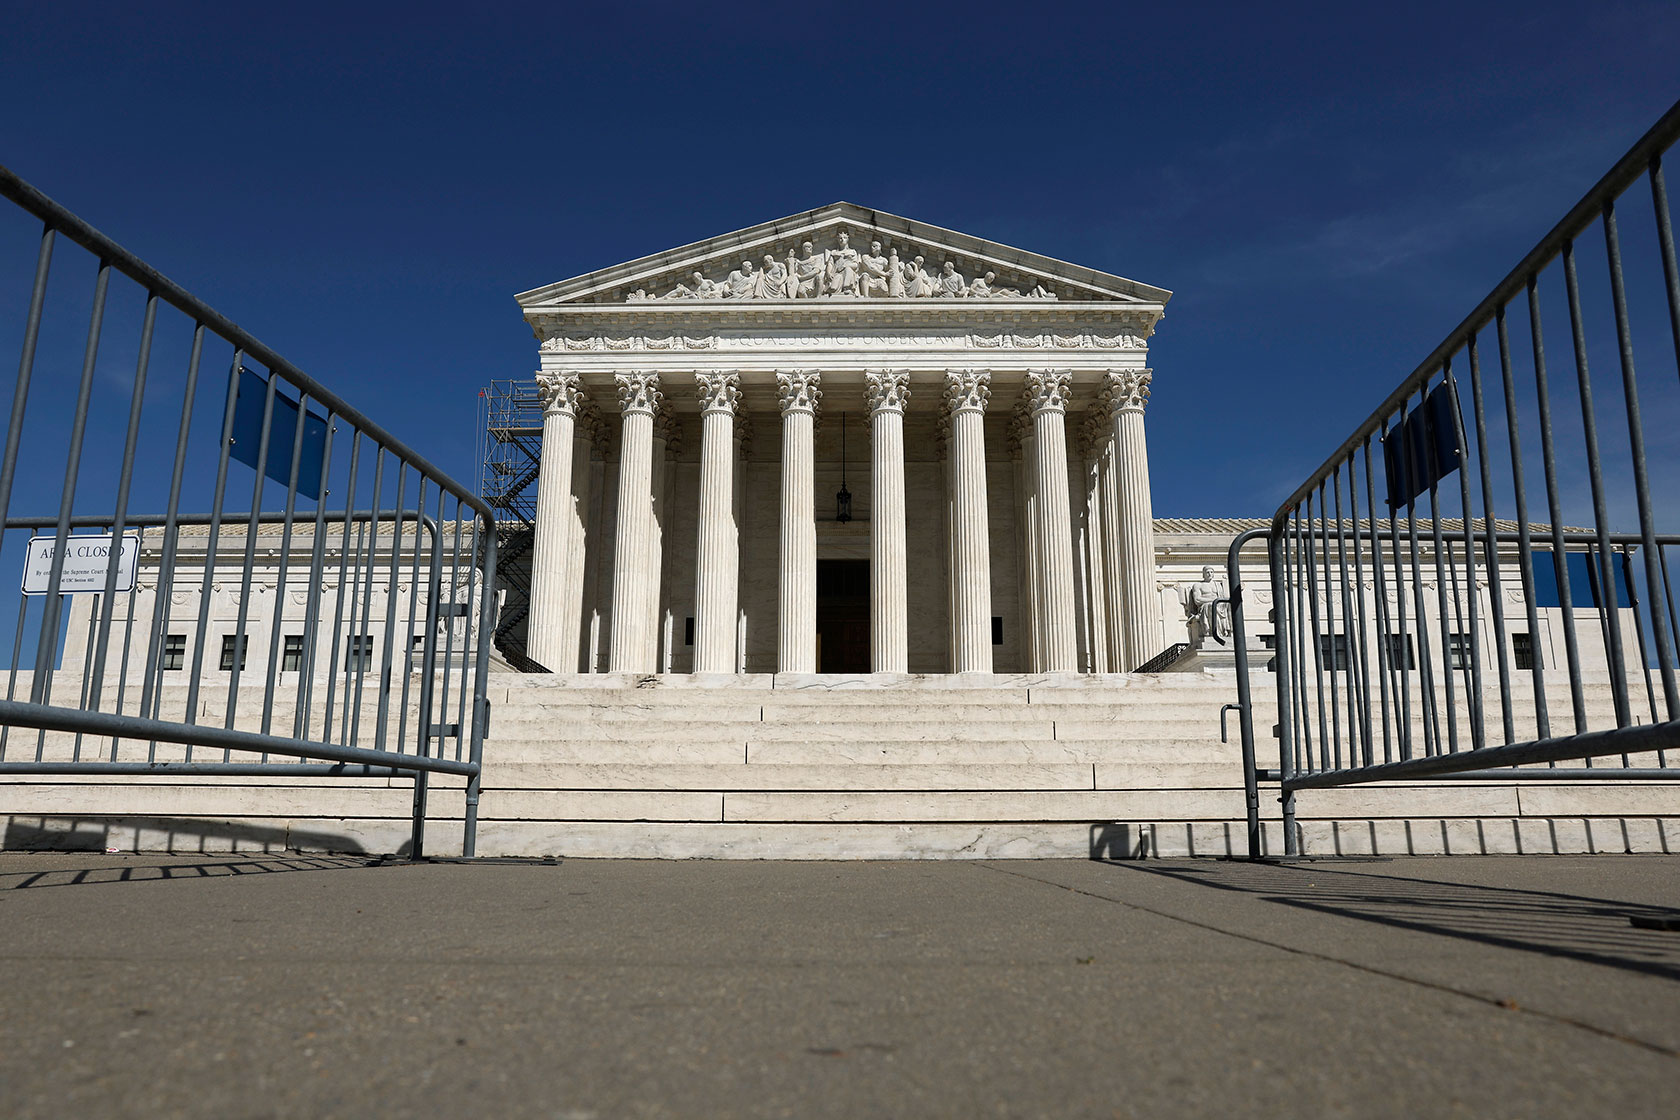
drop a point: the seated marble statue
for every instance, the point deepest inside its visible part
(874, 283)
(772, 279)
(742, 283)
(702, 289)
(843, 268)
(636, 296)
(1207, 609)
(807, 273)
(951, 283)
(917, 283)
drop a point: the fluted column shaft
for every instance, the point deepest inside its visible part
(967, 392)
(635, 598)
(1060, 647)
(552, 586)
(717, 577)
(1140, 614)
(1094, 568)
(889, 635)
(1032, 642)
(577, 539)
(796, 619)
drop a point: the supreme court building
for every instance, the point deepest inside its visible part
(844, 442)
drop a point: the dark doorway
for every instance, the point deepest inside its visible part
(842, 616)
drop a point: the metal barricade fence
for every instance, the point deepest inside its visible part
(176, 628)
(1524, 616)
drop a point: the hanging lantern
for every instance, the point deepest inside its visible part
(843, 500)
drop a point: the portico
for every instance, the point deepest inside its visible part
(994, 458)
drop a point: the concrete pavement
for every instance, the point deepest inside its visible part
(234, 986)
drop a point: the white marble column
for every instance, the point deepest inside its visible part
(966, 395)
(577, 538)
(1048, 392)
(1032, 637)
(1140, 609)
(889, 634)
(796, 617)
(1019, 423)
(635, 598)
(550, 586)
(667, 438)
(1095, 573)
(717, 577)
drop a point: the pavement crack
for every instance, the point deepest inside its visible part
(1504, 1004)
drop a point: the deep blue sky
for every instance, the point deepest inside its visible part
(1327, 189)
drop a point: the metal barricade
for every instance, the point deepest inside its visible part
(1524, 615)
(298, 594)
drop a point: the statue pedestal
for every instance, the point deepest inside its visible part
(1219, 659)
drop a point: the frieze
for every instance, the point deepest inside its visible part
(621, 343)
(842, 271)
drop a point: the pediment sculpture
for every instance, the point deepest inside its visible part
(842, 272)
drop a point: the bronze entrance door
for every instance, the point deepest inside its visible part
(842, 616)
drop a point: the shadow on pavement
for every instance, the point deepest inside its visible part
(154, 868)
(1576, 927)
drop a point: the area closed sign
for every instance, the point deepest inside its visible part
(85, 561)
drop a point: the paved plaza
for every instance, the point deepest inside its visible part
(264, 985)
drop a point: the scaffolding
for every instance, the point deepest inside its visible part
(509, 454)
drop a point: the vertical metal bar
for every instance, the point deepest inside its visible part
(468, 643)
(1442, 613)
(211, 539)
(1385, 659)
(397, 506)
(428, 674)
(354, 708)
(26, 369)
(312, 604)
(1323, 541)
(421, 521)
(240, 644)
(119, 518)
(128, 637)
(1496, 594)
(1473, 687)
(1525, 545)
(1245, 698)
(46, 648)
(150, 701)
(480, 689)
(352, 636)
(1560, 561)
(1425, 663)
(1636, 447)
(343, 584)
(1639, 634)
(1317, 635)
(276, 633)
(1363, 647)
(1276, 557)
(1402, 655)
(1350, 637)
(1609, 617)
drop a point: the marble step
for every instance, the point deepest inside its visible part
(856, 752)
(874, 777)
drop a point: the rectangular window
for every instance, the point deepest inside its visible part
(1400, 653)
(997, 629)
(1333, 652)
(291, 656)
(688, 632)
(175, 651)
(358, 652)
(1458, 651)
(1522, 650)
(230, 643)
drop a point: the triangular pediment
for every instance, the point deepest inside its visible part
(842, 252)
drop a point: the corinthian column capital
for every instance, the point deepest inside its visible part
(719, 392)
(1127, 390)
(798, 390)
(1047, 389)
(559, 392)
(886, 390)
(967, 390)
(638, 391)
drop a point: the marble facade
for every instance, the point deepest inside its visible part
(995, 457)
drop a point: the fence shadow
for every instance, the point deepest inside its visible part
(1551, 923)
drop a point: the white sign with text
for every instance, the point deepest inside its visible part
(85, 561)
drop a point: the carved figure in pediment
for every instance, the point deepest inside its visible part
(773, 279)
(636, 296)
(1039, 291)
(895, 275)
(951, 284)
(807, 273)
(917, 283)
(742, 283)
(982, 288)
(875, 282)
(843, 268)
(702, 289)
